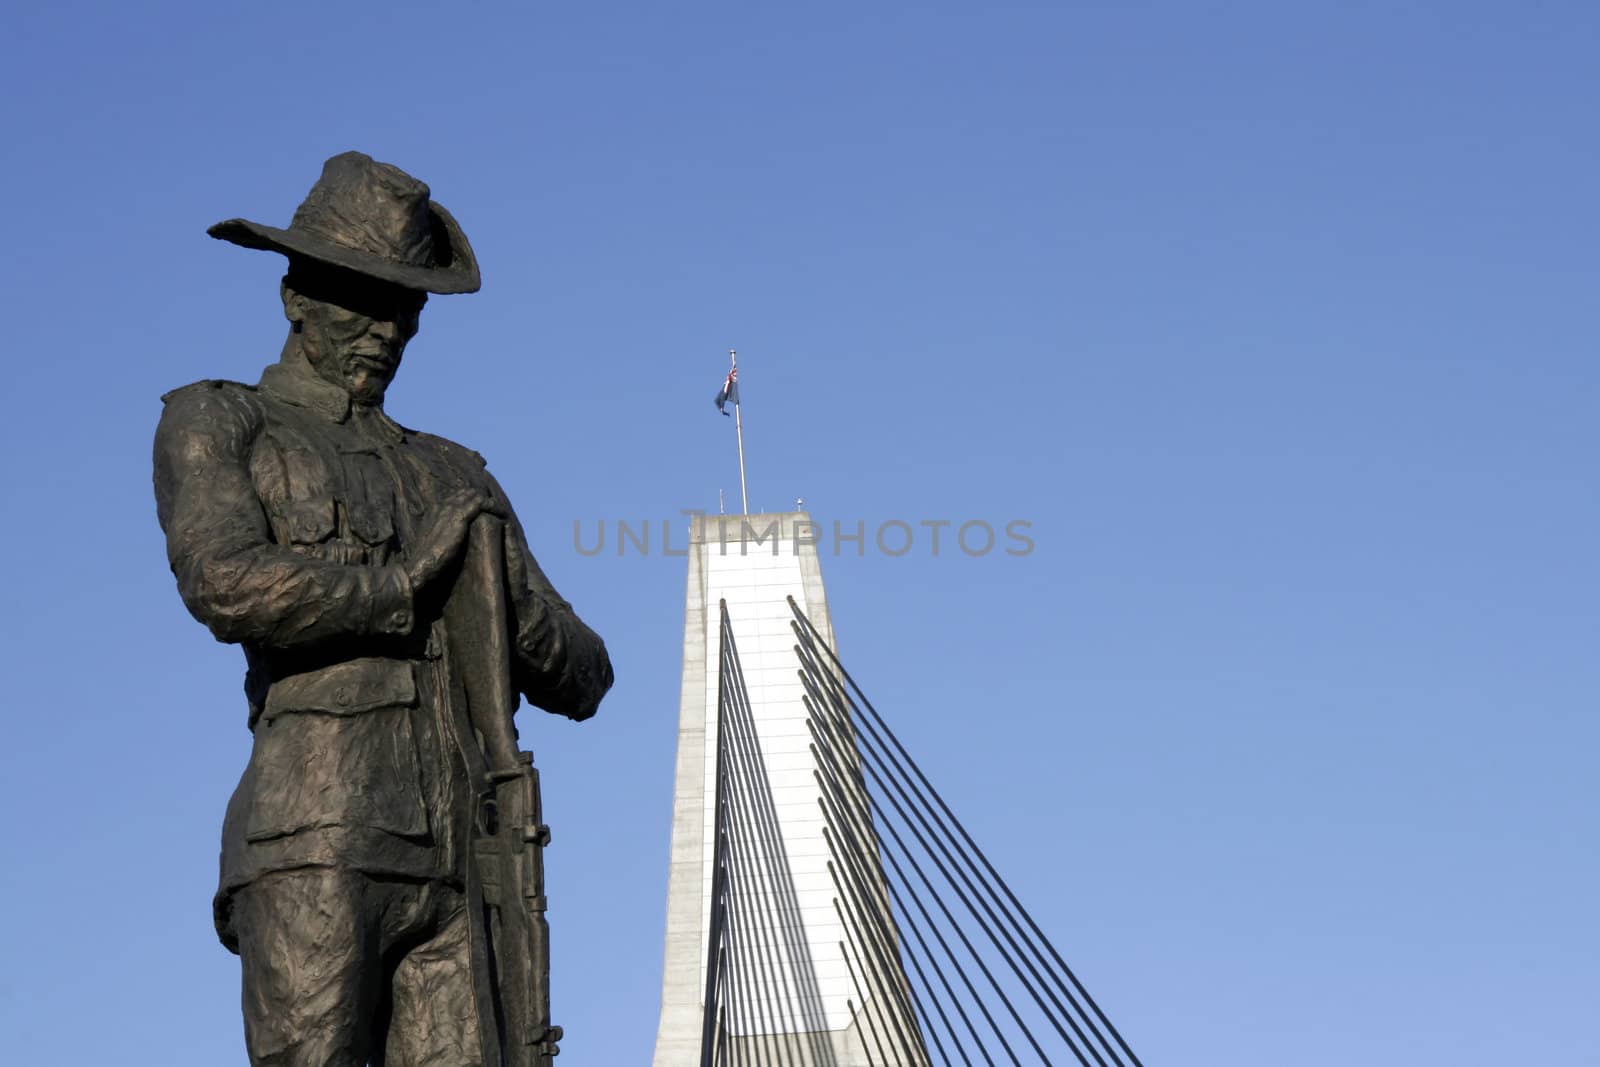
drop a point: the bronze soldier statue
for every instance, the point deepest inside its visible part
(381, 869)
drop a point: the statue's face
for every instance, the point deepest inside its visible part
(353, 331)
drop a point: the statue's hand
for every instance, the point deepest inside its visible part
(442, 543)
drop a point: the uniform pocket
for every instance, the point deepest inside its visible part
(312, 769)
(372, 524)
(309, 522)
(335, 747)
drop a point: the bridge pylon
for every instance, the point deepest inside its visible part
(780, 944)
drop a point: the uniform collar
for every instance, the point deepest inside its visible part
(295, 386)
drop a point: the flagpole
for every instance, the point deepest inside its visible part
(738, 424)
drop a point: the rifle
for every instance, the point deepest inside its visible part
(505, 858)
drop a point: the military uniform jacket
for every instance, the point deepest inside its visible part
(288, 512)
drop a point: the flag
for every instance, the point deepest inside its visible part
(729, 393)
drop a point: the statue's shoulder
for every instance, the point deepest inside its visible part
(460, 455)
(213, 393)
(213, 401)
(207, 388)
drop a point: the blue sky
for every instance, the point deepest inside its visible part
(1274, 320)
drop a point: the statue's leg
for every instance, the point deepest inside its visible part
(434, 1021)
(309, 952)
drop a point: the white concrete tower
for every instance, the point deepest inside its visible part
(819, 1007)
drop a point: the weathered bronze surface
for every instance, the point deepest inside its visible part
(382, 875)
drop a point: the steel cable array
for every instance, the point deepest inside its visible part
(945, 964)
(760, 979)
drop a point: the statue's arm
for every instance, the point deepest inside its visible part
(560, 664)
(231, 574)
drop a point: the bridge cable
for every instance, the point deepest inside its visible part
(839, 700)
